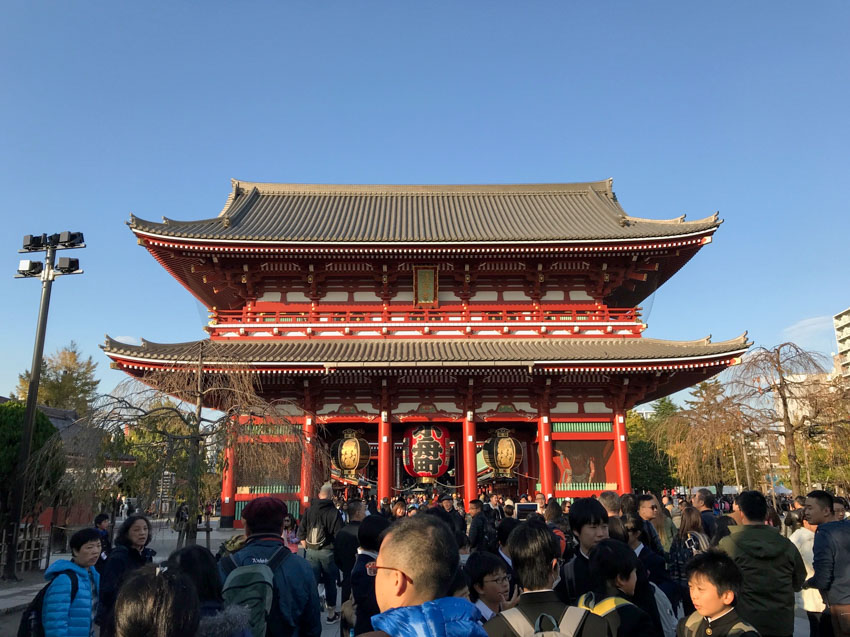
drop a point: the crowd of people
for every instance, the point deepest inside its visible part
(613, 565)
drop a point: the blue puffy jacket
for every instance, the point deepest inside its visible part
(60, 616)
(446, 617)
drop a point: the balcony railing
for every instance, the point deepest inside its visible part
(449, 320)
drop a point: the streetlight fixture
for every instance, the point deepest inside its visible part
(47, 271)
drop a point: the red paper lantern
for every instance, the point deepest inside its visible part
(426, 452)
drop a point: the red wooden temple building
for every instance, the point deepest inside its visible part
(478, 308)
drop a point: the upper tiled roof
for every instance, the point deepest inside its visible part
(310, 213)
(429, 352)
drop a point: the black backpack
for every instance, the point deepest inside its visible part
(30, 625)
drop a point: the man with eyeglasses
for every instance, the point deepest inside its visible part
(416, 566)
(648, 511)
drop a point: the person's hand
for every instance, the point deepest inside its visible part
(513, 601)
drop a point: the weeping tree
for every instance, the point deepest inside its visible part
(787, 387)
(181, 419)
(699, 438)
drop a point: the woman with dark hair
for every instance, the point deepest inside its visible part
(129, 554)
(488, 583)
(689, 541)
(369, 536)
(199, 565)
(614, 573)
(157, 602)
(62, 616)
(723, 524)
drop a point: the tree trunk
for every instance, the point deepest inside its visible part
(788, 427)
(747, 470)
(194, 482)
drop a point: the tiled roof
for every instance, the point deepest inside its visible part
(429, 352)
(310, 213)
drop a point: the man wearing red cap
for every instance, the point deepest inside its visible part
(297, 612)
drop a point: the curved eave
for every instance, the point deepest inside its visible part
(248, 244)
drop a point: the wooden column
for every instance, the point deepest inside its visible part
(385, 456)
(544, 446)
(621, 445)
(470, 467)
(309, 430)
(228, 489)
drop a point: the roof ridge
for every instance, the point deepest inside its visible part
(604, 186)
(680, 219)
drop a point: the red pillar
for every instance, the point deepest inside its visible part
(385, 457)
(309, 429)
(544, 446)
(624, 478)
(470, 467)
(228, 489)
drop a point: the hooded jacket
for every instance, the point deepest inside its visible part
(321, 513)
(298, 613)
(445, 617)
(772, 570)
(59, 615)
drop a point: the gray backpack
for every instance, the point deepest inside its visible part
(252, 587)
(569, 626)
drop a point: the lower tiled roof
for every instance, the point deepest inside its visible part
(427, 352)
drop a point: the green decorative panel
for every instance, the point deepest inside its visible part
(581, 427)
(274, 488)
(270, 430)
(583, 486)
(291, 506)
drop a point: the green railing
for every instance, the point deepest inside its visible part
(273, 488)
(291, 505)
(270, 430)
(581, 427)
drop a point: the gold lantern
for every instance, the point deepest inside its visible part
(350, 453)
(502, 453)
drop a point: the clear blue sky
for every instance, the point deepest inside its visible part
(109, 108)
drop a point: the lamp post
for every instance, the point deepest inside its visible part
(47, 271)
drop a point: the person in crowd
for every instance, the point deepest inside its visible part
(199, 565)
(61, 615)
(503, 533)
(552, 515)
(535, 554)
(809, 600)
(628, 503)
(839, 506)
(411, 586)
(714, 581)
(101, 525)
(772, 518)
(792, 521)
(297, 612)
(462, 540)
(412, 510)
(488, 583)
(703, 501)
(510, 509)
(399, 509)
(130, 553)
(614, 570)
(290, 533)
(458, 524)
(689, 541)
(319, 527)
(830, 559)
(664, 526)
(723, 524)
(495, 510)
(346, 543)
(647, 509)
(540, 500)
(771, 567)
(157, 603)
(482, 533)
(589, 524)
(369, 536)
(653, 569)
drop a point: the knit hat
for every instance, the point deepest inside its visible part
(265, 515)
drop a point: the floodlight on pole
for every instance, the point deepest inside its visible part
(47, 273)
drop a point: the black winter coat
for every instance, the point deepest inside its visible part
(321, 513)
(121, 562)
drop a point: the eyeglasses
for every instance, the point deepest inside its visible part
(498, 580)
(372, 569)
